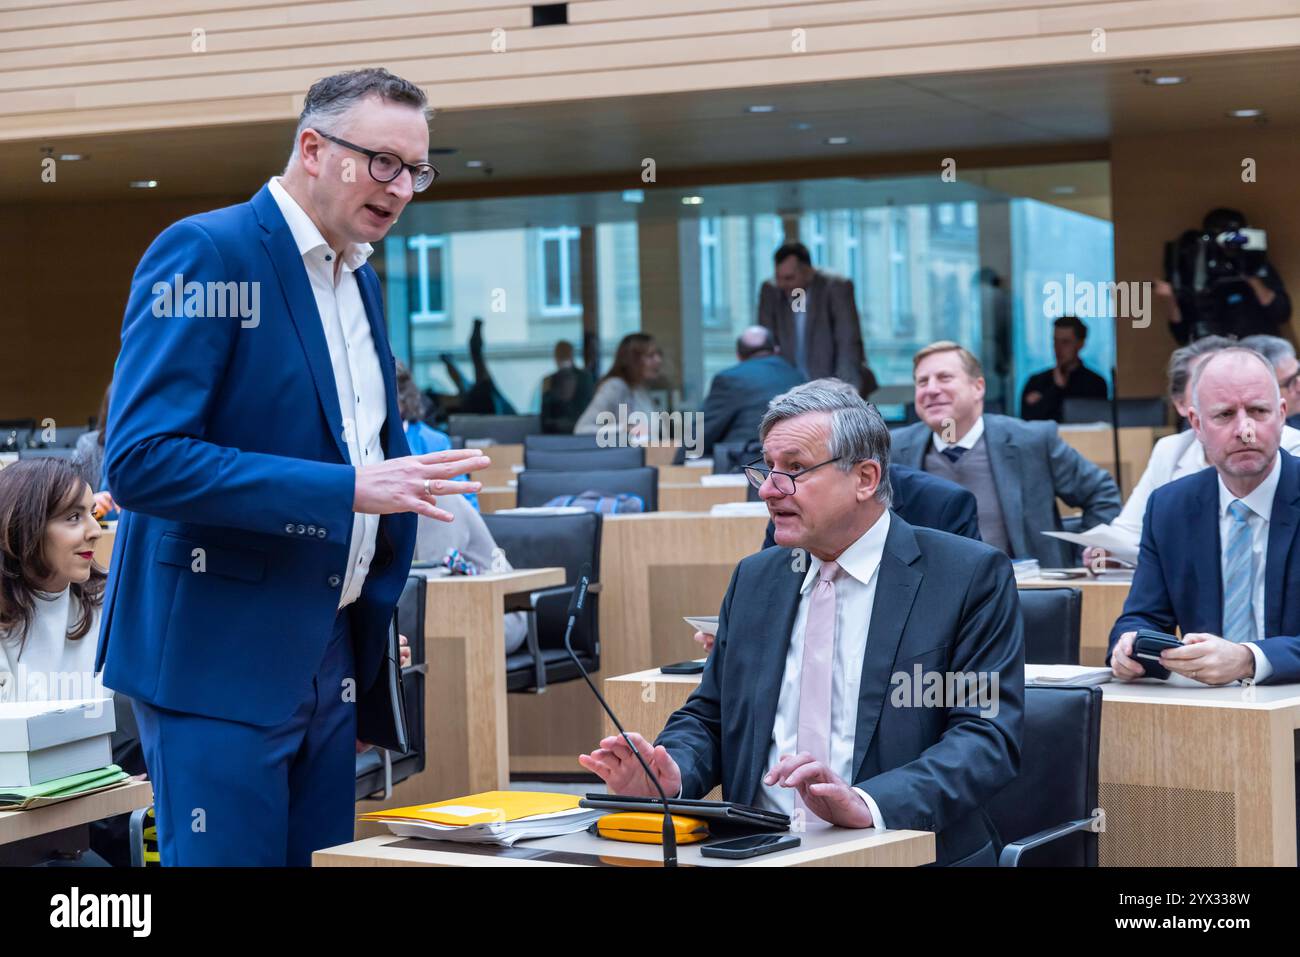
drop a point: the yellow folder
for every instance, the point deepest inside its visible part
(486, 808)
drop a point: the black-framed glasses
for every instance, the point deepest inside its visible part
(784, 482)
(386, 167)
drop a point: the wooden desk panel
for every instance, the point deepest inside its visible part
(822, 847)
(494, 498)
(1103, 602)
(698, 498)
(645, 700)
(655, 568)
(21, 825)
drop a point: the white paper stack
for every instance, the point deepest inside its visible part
(727, 479)
(1069, 676)
(739, 508)
(505, 833)
(1115, 543)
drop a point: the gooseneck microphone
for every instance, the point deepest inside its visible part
(576, 604)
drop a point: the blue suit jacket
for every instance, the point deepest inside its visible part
(227, 453)
(1032, 467)
(925, 500)
(943, 604)
(1179, 577)
(738, 398)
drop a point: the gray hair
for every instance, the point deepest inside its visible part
(1273, 348)
(858, 433)
(1235, 350)
(331, 97)
(1181, 361)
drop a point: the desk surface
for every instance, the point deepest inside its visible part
(820, 846)
(19, 825)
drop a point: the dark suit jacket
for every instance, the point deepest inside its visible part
(1032, 467)
(1083, 383)
(833, 333)
(1179, 577)
(943, 604)
(927, 501)
(739, 396)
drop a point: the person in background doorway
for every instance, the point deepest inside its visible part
(1044, 394)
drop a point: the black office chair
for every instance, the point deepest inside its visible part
(560, 443)
(547, 541)
(732, 457)
(1049, 815)
(379, 770)
(580, 460)
(501, 429)
(1051, 618)
(1153, 411)
(538, 487)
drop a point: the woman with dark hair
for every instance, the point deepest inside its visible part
(637, 361)
(51, 590)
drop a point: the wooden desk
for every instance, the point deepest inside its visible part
(467, 747)
(1201, 777)
(823, 847)
(698, 498)
(1103, 602)
(496, 497)
(681, 474)
(1096, 445)
(655, 568)
(21, 825)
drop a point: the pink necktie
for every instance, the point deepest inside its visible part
(818, 660)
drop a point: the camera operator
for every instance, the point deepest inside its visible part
(1219, 282)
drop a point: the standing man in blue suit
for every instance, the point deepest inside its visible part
(1219, 558)
(256, 447)
(807, 703)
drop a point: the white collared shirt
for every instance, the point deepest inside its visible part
(855, 596)
(967, 441)
(358, 377)
(1260, 503)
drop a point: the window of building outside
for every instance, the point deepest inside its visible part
(560, 270)
(426, 256)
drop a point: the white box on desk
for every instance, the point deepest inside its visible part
(44, 740)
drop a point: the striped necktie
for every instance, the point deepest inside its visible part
(1239, 577)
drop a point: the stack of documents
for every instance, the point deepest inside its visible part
(1116, 544)
(739, 508)
(61, 789)
(1025, 568)
(1068, 676)
(493, 817)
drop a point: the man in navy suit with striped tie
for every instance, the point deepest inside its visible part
(1219, 559)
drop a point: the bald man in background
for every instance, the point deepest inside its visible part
(739, 395)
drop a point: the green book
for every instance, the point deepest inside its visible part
(64, 787)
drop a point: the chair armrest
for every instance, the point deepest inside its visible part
(1011, 853)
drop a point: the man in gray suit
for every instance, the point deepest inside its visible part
(808, 704)
(738, 396)
(814, 319)
(1016, 469)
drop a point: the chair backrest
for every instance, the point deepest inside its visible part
(1058, 775)
(501, 429)
(577, 460)
(560, 443)
(730, 457)
(548, 541)
(1153, 411)
(539, 487)
(1051, 618)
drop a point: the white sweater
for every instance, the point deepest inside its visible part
(50, 666)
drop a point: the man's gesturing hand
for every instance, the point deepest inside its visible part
(823, 791)
(397, 485)
(622, 773)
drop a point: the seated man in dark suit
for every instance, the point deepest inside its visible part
(1044, 394)
(739, 395)
(807, 704)
(1219, 558)
(922, 500)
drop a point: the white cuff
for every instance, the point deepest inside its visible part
(878, 822)
(1263, 667)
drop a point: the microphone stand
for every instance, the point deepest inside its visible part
(575, 607)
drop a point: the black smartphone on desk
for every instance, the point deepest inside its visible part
(752, 846)
(1147, 645)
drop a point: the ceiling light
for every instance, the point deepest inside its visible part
(634, 196)
(1245, 114)
(836, 140)
(474, 164)
(143, 183)
(1164, 80)
(72, 157)
(692, 200)
(760, 109)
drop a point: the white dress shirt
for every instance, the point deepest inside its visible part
(358, 377)
(967, 441)
(1174, 457)
(1260, 503)
(855, 595)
